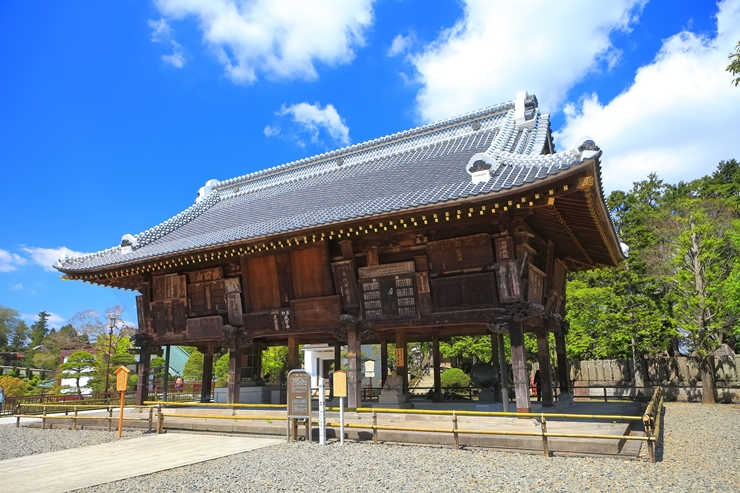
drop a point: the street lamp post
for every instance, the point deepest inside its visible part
(111, 324)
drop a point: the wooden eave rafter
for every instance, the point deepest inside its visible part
(544, 197)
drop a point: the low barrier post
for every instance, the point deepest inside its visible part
(375, 427)
(151, 414)
(454, 431)
(110, 418)
(543, 426)
(43, 419)
(74, 420)
(160, 420)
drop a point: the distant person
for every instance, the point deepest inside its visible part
(538, 385)
(331, 384)
(178, 385)
(2, 398)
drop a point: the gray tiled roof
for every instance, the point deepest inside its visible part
(421, 166)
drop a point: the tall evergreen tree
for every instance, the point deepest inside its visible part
(39, 329)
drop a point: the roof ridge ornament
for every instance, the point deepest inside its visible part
(585, 148)
(206, 190)
(525, 110)
(481, 167)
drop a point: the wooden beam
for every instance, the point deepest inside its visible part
(354, 370)
(562, 361)
(437, 394)
(543, 356)
(293, 360)
(401, 359)
(205, 391)
(235, 371)
(383, 360)
(519, 365)
(142, 386)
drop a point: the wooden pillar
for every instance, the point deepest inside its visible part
(437, 394)
(337, 356)
(235, 372)
(562, 363)
(504, 373)
(543, 356)
(142, 386)
(293, 354)
(494, 358)
(205, 391)
(401, 359)
(383, 360)
(354, 375)
(519, 365)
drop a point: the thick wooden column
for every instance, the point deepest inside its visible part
(142, 386)
(401, 366)
(383, 360)
(293, 359)
(205, 391)
(354, 370)
(519, 365)
(337, 356)
(562, 363)
(235, 372)
(437, 394)
(494, 358)
(543, 356)
(504, 373)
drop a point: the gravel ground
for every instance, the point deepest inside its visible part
(701, 452)
(18, 442)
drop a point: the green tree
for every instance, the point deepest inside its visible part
(156, 367)
(696, 257)
(39, 329)
(470, 348)
(79, 365)
(9, 321)
(193, 370)
(454, 378)
(734, 66)
(19, 337)
(221, 369)
(275, 363)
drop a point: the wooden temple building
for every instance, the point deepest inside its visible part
(466, 226)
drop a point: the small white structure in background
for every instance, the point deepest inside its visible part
(318, 357)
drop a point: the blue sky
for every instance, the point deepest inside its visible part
(113, 114)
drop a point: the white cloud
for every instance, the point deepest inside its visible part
(401, 43)
(54, 321)
(176, 58)
(501, 47)
(47, 257)
(271, 131)
(312, 118)
(161, 30)
(16, 287)
(279, 39)
(162, 33)
(10, 261)
(678, 118)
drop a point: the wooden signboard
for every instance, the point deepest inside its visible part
(461, 292)
(339, 383)
(346, 283)
(387, 270)
(535, 284)
(317, 313)
(467, 254)
(299, 394)
(390, 297)
(207, 298)
(400, 360)
(509, 283)
(504, 248)
(214, 274)
(121, 374)
(205, 327)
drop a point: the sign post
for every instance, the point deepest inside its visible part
(322, 411)
(299, 402)
(121, 386)
(340, 390)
